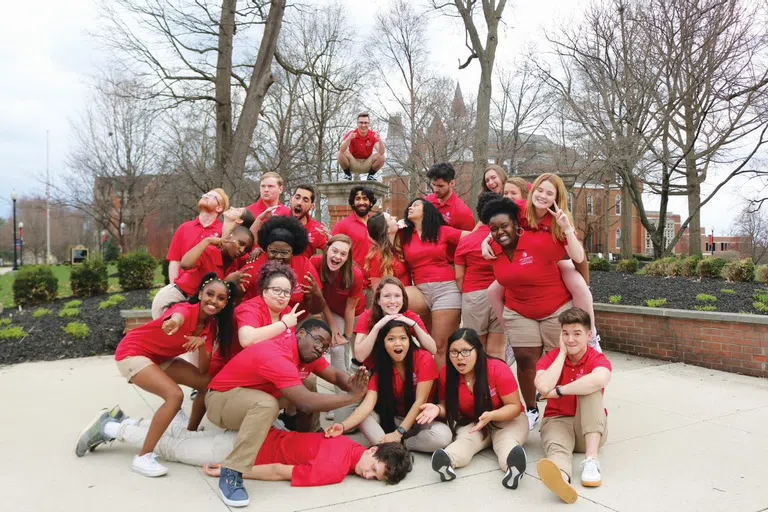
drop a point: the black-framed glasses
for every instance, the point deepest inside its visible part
(272, 253)
(453, 354)
(279, 292)
(211, 194)
(319, 343)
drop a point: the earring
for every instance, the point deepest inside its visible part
(520, 231)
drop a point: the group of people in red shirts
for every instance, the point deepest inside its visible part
(420, 317)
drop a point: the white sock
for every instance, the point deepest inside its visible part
(111, 429)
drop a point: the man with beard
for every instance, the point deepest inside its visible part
(355, 226)
(302, 204)
(455, 212)
(190, 233)
(270, 191)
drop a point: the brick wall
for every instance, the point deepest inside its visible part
(721, 341)
(135, 318)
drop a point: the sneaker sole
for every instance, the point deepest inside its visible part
(551, 477)
(592, 484)
(150, 474)
(516, 459)
(232, 503)
(85, 447)
(441, 463)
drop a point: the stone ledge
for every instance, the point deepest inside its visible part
(135, 313)
(712, 316)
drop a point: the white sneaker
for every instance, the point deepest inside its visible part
(533, 418)
(147, 465)
(595, 343)
(330, 415)
(590, 473)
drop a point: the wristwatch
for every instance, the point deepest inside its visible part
(559, 391)
(401, 430)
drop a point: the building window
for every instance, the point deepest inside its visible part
(590, 205)
(570, 202)
(723, 246)
(618, 238)
(618, 204)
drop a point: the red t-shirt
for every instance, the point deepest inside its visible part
(317, 238)
(210, 261)
(399, 269)
(566, 405)
(479, 271)
(455, 212)
(362, 147)
(335, 296)
(315, 459)
(268, 366)
(260, 206)
(149, 340)
(424, 370)
(532, 283)
(188, 235)
(501, 382)
(428, 261)
(300, 265)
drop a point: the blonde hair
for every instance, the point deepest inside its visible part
(499, 172)
(271, 174)
(519, 183)
(561, 199)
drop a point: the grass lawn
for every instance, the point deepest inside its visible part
(62, 273)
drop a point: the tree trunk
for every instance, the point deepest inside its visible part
(626, 221)
(694, 205)
(482, 126)
(607, 219)
(224, 92)
(261, 80)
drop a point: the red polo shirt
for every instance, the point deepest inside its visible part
(260, 206)
(300, 265)
(429, 261)
(566, 405)
(501, 382)
(315, 459)
(335, 296)
(149, 340)
(362, 147)
(399, 269)
(210, 261)
(268, 366)
(455, 212)
(532, 283)
(424, 370)
(188, 235)
(317, 238)
(357, 230)
(479, 271)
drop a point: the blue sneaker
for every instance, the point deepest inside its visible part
(231, 490)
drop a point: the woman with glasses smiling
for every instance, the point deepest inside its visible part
(479, 399)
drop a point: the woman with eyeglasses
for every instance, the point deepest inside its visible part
(480, 401)
(401, 384)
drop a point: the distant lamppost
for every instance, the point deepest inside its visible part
(103, 241)
(122, 235)
(21, 244)
(14, 197)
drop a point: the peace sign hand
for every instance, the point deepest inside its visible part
(560, 217)
(292, 318)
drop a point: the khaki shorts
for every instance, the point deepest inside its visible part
(476, 313)
(132, 365)
(439, 296)
(360, 165)
(165, 298)
(524, 332)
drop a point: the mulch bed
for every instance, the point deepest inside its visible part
(45, 340)
(680, 292)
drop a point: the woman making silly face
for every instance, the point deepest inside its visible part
(494, 179)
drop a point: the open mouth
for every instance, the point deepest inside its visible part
(398, 351)
(211, 308)
(297, 210)
(461, 366)
(503, 239)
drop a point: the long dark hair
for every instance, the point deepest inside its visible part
(480, 391)
(430, 223)
(225, 319)
(385, 404)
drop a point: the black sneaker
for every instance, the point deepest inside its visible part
(347, 177)
(516, 463)
(371, 177)
(441, 463)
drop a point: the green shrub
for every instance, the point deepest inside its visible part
(711, 267)
(629, 266)
(705, 308)
(673, 267)
(77, 329)
(111, 251)
(5, 322)
(73, 304)
(117, 298)
(69, 312)
(655, 303)
(642, 257)
(41, 312)
(656, 268)
(11, 333)
(761, 297)
(690, 264)
(762, 307)
(599, 264)
(33, 285)
(703, 297)
(728, 291)
(614, 299)
(152, 294)
(106, 304)
(89, 278)
(742, 271)
(641, 272)
(761, 274)
(136, 271)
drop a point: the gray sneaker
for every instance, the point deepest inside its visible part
(93, 435)
(117, 414)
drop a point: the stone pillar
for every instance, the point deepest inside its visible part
(337, 195)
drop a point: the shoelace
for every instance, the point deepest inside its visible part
(234, 480)
(594, 464)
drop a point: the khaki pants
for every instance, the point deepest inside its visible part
(430, 437)
(504, 437)
(561, 436)
(526, 332)
(166, 296)
(251, 413)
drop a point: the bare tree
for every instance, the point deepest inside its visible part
(753, 225)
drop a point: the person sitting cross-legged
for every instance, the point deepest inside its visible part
(572, 378)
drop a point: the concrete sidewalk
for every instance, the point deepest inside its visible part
(681, 438)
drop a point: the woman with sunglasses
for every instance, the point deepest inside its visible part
(401, 384)
(480, 401)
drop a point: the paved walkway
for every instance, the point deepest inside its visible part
(681, 438)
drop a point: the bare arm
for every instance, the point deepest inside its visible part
(309, 402)
(422, 395)
(189, 260)
(510, 410)
(335, 377)
(546, 380)
(426, 340)
(595, 381)
(496, 300)
(174, 267)
(363, 411)
(345, 143)
(269, 472)
(381, 148)
(349, 317)
(574, 248)
(460, 271)
(251, 335)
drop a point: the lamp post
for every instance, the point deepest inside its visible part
(103, 241)
(21, 244)
(122, 236)
(14, 197)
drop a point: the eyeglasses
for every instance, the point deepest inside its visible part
(319, 343)
(211, 194)
(453, 354)
(279, 292)
(278, 254)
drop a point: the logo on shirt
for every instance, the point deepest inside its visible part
(493, 392)
(525, 259)
(447, 217)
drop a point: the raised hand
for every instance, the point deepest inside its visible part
(358, 383)
(170, 326)
(428, 414)
(560, 217)
(255, 255)
(338, 339)
(334, 430)
(311, 288)
(407, 321)
(292, 318)
(486, 248)
(193, 343)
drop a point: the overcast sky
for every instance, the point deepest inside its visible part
(47, 65)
